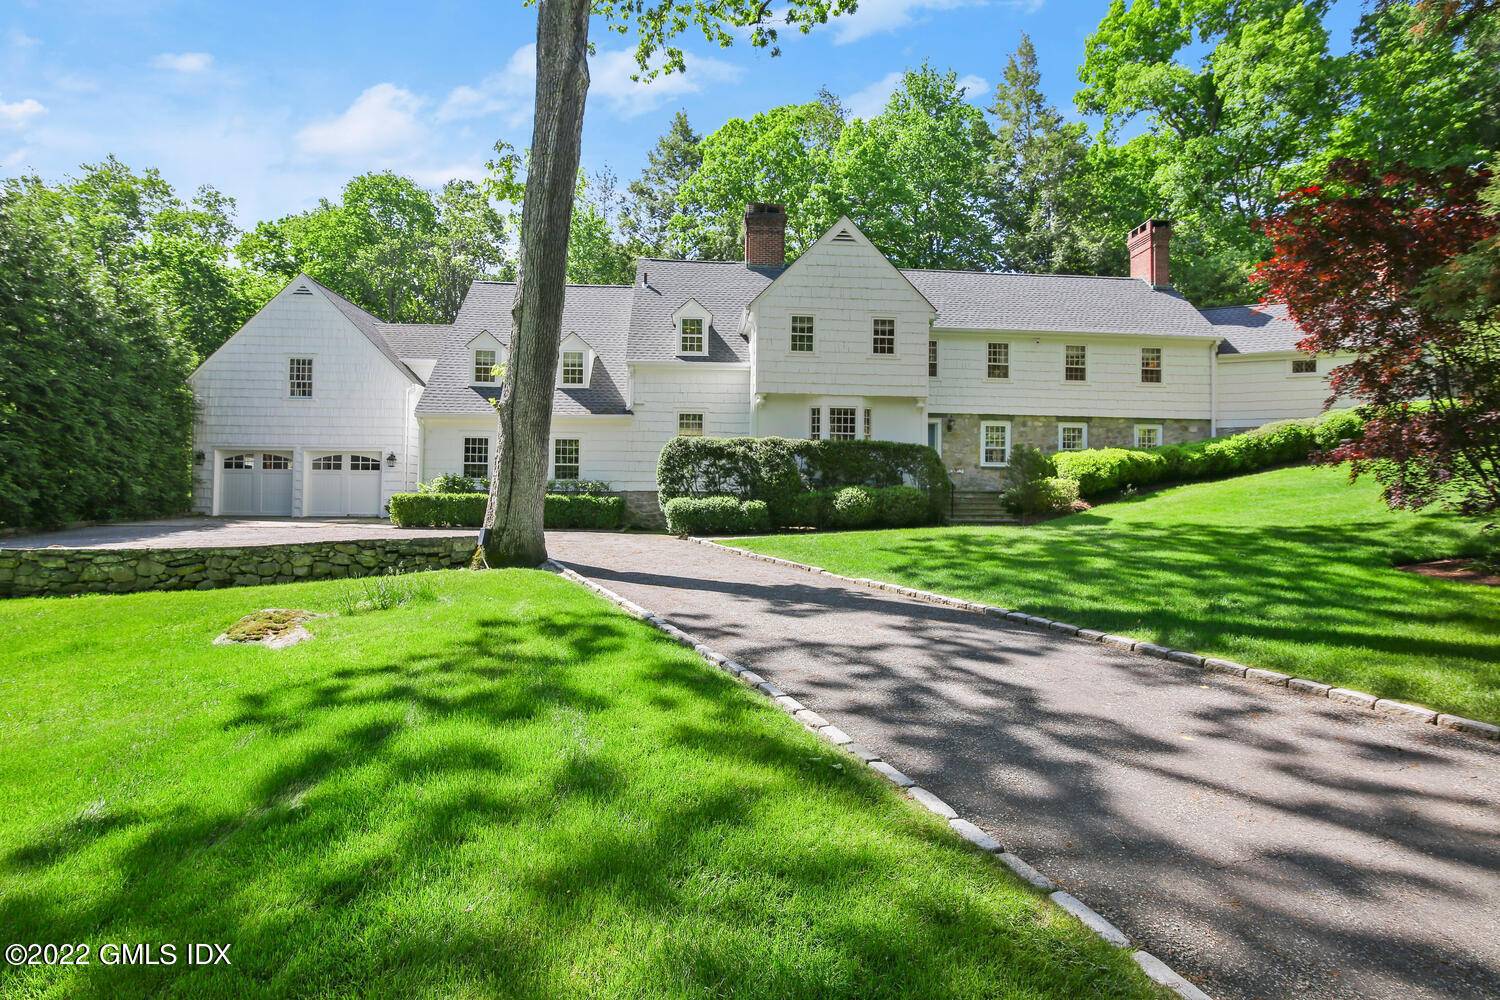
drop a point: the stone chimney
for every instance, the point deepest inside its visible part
(1148, 252)
(765, 235)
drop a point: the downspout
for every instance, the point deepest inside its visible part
(1213, 388)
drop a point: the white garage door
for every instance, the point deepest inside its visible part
(256, 482)
(343, 483)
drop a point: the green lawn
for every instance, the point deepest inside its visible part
(505, 787)
(1290, 569)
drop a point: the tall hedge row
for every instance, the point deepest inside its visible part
(1103, 470)
(95, 411)
(466, 510)
(781, 471)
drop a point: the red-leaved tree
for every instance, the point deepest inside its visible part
(1402, 269)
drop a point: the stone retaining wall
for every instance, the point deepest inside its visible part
(643, 510)
(31, 572)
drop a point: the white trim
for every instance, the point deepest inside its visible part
(1161, 435)
(805, 314)
(1009, 443)
(702, 416)
(937, 422)
(1061, 425)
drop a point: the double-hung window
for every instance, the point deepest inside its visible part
(884, 336)
(1304, 366)
(802, 334)
(815, 424)
(997, 361)
(932, 359)
(692, 335)
(868, 424)
(841, 423)
(1072, 437)
(299, 378)
(994, 443)
(565, 458)
(476, 457)
(484, 366)
(1151, 364)
(690, 425)
(1075, 363)
(1148, 435)
(572, 370)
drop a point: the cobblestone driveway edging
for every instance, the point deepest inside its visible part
(1346, 696)
(1157, 970)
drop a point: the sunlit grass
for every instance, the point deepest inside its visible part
(1291, 569)
(505, 788)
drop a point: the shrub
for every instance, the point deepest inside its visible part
(571, 486)
(722, 515)
(901, 506)
(1099, 470)
(452, 482)
(583, 510)
(438, 510)
(780, 471)
(1058, 495)
(1029, 468)
(854, 507)
(810, 509)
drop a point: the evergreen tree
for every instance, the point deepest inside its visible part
(652, 198)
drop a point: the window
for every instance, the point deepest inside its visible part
(484, 366)
(572, 368)
(692, 335)
(997, 361)
(1072, 437)
(1075, 363)
(1148, 435)
(328, 463)
(841, 423)
(815, 424)
(802, 334)
(690, 425)
(477, 457)
(994, 443)
(935, 435)
(885, 337)
(1151, 364)
(932, 359)
(299, 378)
(275, 462)
(1304, 366)
(867, 423)
(363, 463)
(565, 458)
(239, 461)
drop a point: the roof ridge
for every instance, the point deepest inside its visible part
(571, 284)
(1014, 274)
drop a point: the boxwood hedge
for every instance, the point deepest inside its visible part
(788, 473)
(466, 510)
(721, 515)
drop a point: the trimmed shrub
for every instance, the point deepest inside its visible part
(582, 510)
(780, 471)
(810, 509)
(1029, 468)
(854, 507)
(569, 486)
(1099, 470)
(723, 515)
(901, 506)
(438, 510)
(452, 482)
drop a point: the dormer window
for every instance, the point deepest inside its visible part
(484, 366)
(572, 368)
(692, 335)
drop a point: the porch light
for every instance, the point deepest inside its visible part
(948, 424)
(198, 458)
(390, 460)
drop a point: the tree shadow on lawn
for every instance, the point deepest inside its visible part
(499, 814)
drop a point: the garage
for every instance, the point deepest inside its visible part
(343, 484)
(256, 483)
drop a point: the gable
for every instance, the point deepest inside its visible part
(843, 247)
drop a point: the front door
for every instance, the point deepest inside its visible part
(935, 435)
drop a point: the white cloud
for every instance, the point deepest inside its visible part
(874, 17)
(976, 88)
(183, 62)
(18, 113)
(13, 161)
(510, 93)
(383, 119)
(21, 40)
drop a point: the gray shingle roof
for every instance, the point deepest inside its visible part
(600, 314)
(416, 340)
(1254, 329)
(664, 286)
(367, 324)
(1062, 303)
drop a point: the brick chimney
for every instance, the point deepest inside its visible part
(1148, 252)
(765, 235)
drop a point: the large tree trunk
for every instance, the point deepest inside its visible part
(512, 533)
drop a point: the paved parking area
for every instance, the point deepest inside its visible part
(223, 532)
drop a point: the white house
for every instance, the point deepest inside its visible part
(315, 407)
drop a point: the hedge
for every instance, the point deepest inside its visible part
(721, 515)
(466, 510)
(783, 471)
(1102, 470)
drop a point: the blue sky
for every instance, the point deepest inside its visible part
(278, 103)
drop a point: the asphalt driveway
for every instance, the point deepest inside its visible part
(1263, 843)
(223, 532)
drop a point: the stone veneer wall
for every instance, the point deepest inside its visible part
(961, 444)
(27, 572)
(643, 509)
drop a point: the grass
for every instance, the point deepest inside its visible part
(508, 789)
(1290, 569)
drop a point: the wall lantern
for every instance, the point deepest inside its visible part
(198, 457)
(390, 460)
(948, 424)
